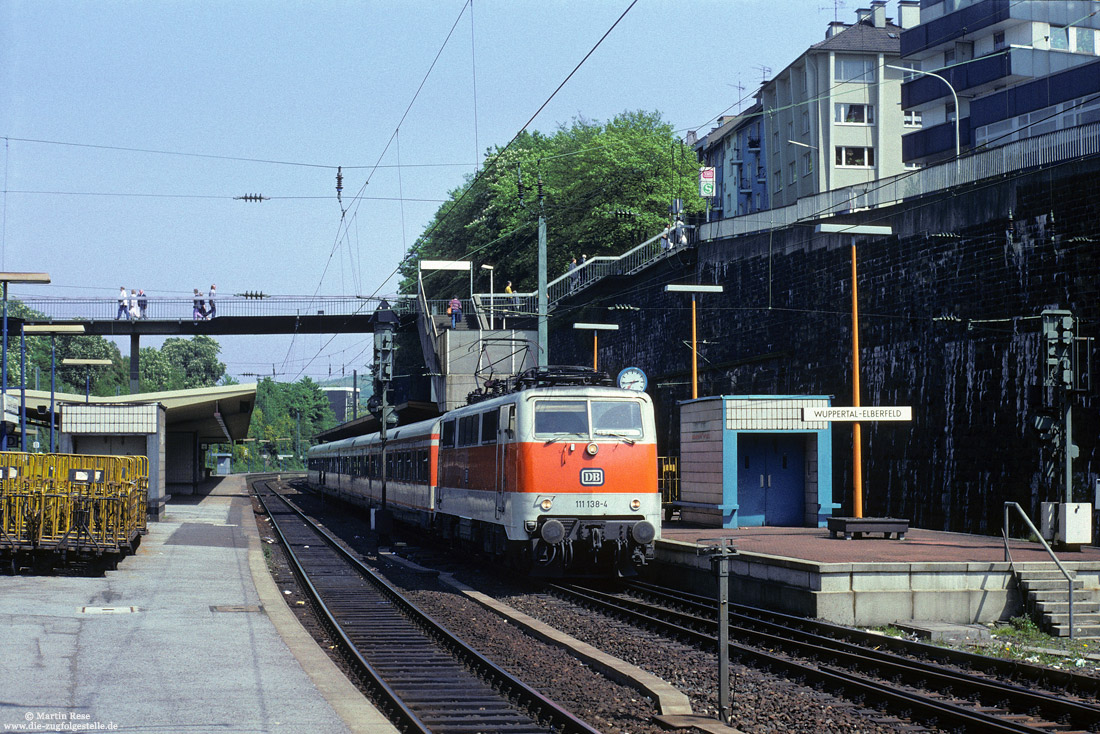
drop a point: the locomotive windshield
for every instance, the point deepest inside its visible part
(585, 418)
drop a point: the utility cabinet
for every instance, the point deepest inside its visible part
(1067, 523)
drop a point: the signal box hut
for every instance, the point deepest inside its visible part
(750, 460)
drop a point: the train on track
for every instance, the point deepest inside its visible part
(557, 476)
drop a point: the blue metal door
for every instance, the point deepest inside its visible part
(771, 480)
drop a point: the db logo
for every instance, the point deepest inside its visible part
(591, 477)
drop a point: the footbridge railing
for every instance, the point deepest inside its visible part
(177, 308)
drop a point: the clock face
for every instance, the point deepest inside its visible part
(632, 378)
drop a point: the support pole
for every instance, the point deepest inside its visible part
(542, 299)
(135, 350)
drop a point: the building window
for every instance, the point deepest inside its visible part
(1085, 42)
(805, 122)
(912, 118)
(1059, 38)
(807, 164)
(998, 40)
(791, 177)
(853, 157)
(855, 69)
(949, 57)
(949, 111)
(855, 114)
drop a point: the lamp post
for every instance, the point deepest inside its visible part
(596, 329)
(491, 296)
(53, 330)
(89, 363)
(957, 110)
(857, 434)
(5, 279)
(693, 290)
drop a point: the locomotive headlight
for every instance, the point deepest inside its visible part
(592, 449)
(546, 504)
(635, 504)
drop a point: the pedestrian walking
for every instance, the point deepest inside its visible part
(200, 309)
(123, 305)
(454, 308)
(143, 303)
(210, 302)
(135, 312)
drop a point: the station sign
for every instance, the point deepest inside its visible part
(706, 181)
(860, 414)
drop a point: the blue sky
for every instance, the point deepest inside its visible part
(269, 97)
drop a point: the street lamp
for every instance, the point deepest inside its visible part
(490, 269)
(693, 289)
(957, 110)
(5, 279)
(53, 330)
(89, 363)
(596, 329)
(857, 434)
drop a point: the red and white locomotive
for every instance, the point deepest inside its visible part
(560, 480)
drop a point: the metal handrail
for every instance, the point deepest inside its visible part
(1008, 555)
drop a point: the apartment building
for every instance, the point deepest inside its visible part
(735, 149)
(1010, 69)
(834, 117)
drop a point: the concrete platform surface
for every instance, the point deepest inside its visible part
(919, 546)
(180, 638)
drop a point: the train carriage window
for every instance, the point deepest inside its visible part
(447, 438)
(489, 423)
(561, 416)
(467, 430)
(424, 472)
(619, 417)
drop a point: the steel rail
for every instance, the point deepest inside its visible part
(1054, 708)
(855, 686)
(437, 708)
(399, 713)
(1076, 683)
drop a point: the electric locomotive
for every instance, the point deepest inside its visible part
(557, 476)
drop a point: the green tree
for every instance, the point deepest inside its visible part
(196, 359)
(286, 414)
(590, 172)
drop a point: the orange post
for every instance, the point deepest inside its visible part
(857, 437)
(694, 354)
(595, 351)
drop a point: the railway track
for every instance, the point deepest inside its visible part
(816, 654)
(423, 677)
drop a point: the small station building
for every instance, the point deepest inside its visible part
(751, 461)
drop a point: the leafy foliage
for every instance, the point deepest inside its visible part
(285, 420)
(590, 171)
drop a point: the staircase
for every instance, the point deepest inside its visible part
(1047, 601)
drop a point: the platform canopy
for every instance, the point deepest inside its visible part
(216, 414)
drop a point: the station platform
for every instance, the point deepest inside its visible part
(189, 634)
(930, 575)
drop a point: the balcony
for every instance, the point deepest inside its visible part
(924, 38)
(924, 89)
(934, 143)
(1075, 83)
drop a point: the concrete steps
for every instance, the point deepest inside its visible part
(1047, 601)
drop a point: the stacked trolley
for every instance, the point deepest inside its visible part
(71, 506)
